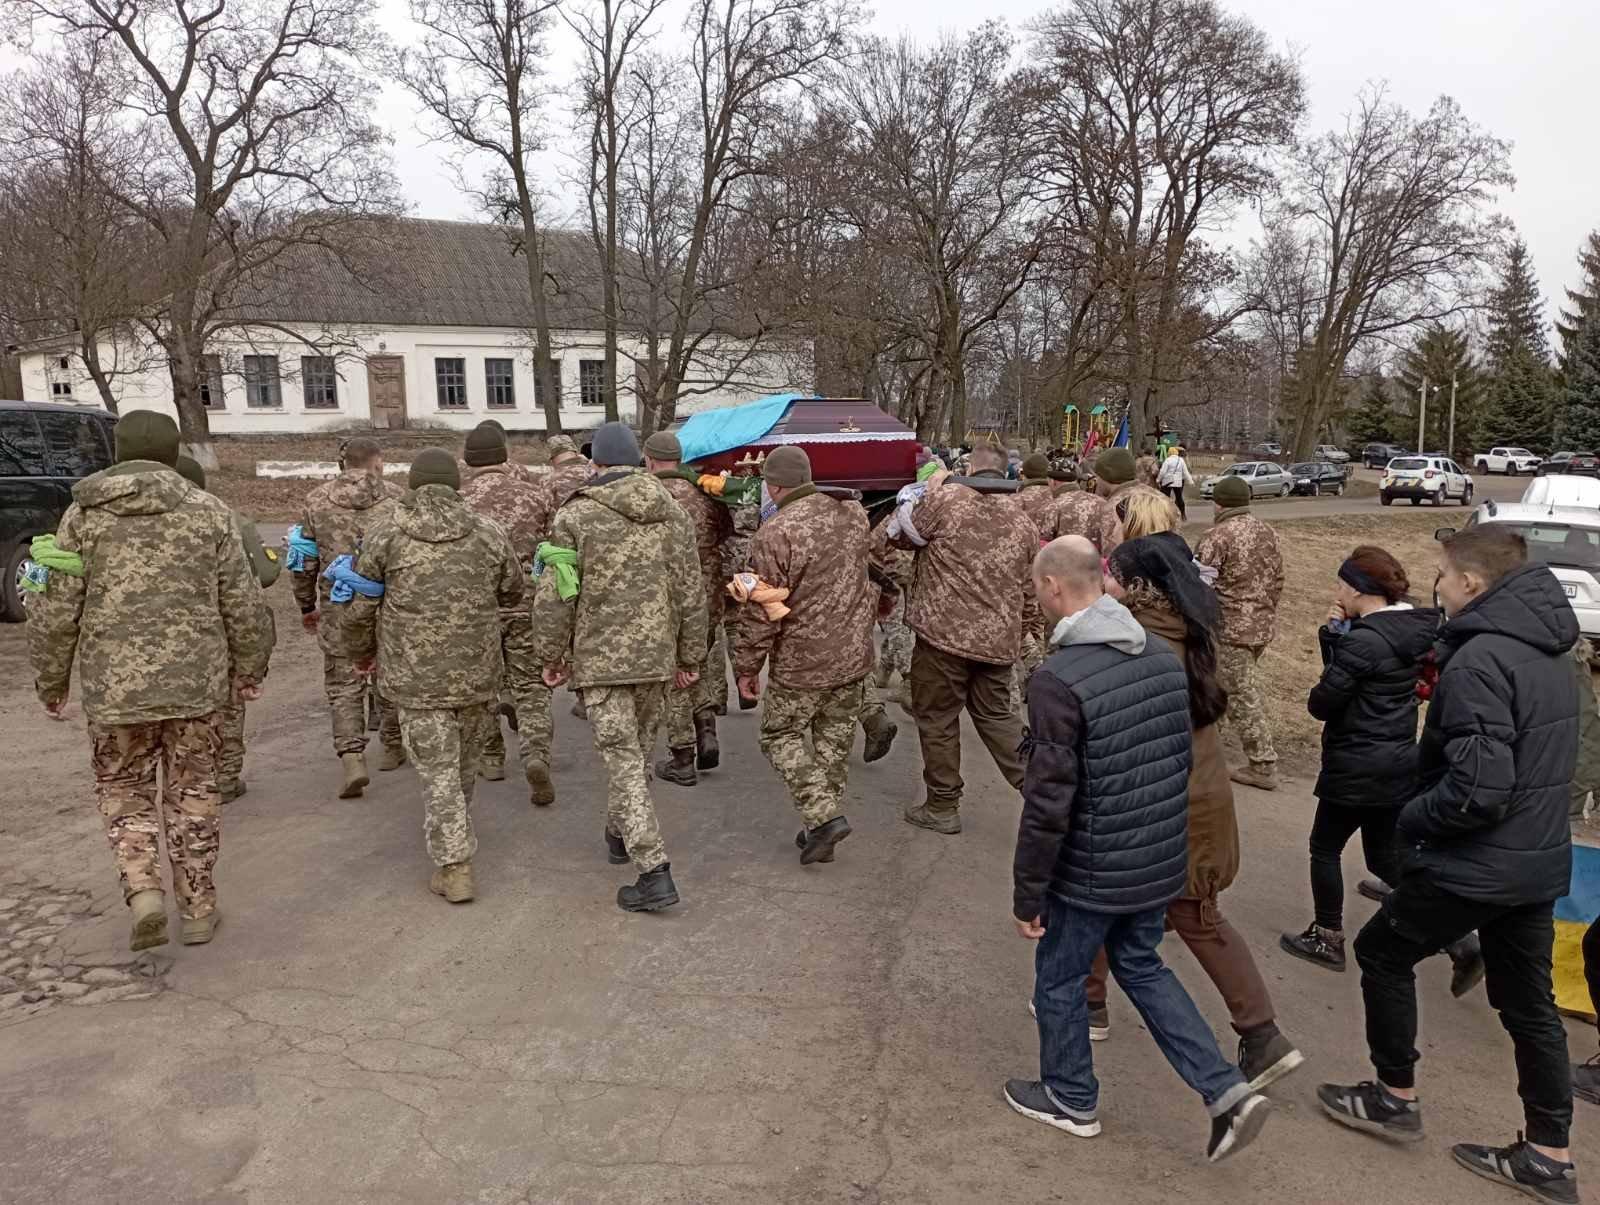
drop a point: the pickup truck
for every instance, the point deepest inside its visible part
(1510, 461)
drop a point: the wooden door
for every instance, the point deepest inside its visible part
(386, 392)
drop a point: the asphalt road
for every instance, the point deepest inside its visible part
(1484, 487)
(835, 1033)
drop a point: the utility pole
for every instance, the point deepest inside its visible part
(1422, 419)
(1451, 446)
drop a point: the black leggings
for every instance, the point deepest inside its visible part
(1175, 492)
(1331, 830)
(1591, 964)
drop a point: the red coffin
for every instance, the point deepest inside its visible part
(850, 441)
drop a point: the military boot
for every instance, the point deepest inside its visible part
(454, 882)
(149, 910)
(679, 768)
(541, 791)
(616, 849)
(816, 844)
(708, 754)
(493, 771)
(197, 930)
(231, 789)
(880, 733)
(392, 758)
(946, 821)
(1263, 776)
(355, 774)
(654, 891)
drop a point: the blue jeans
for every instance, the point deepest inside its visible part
(1071, 939)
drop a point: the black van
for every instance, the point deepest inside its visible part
(45, 447)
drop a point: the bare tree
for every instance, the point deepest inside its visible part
(1384, 228)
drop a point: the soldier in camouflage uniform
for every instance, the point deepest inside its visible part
(569, 468)
(894, 657)
(1244, 552)
(1036, 500)
(816, 548)
(517, 502)
(447, 575)
(338, 514)
(735, 559)
(967, 607)
(620, 611)
(165, 620)
(266, 566)
(691, 714)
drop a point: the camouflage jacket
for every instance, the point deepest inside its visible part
(446, 574)
(1244, 552)
(1080, 513)
(513, 500)
(1146, 471)
(1035, 500)
(816, 547)
(967, 595)
(713, 527)
(640, 612)
(337, 515)
(167, 613)
(555, 487)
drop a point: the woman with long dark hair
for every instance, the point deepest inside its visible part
(1157, 579)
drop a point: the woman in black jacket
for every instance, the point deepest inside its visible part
(1373, 647)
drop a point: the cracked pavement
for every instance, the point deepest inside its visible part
(835, 1033)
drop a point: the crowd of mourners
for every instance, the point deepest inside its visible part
(1099, 657)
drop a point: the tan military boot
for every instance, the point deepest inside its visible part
(493, 771)
(880, 732)
(355, 774)
(1263, 776)
(231, 789)
(947, 822)
(454, 882)
(197, 930)
(541, 791)
(149, 910)
(392, 757)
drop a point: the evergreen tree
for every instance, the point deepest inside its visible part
(1519, 401)
(1516, 311)
(1441, 355)
(1374, 419)
(1583, 299)
(1580, 396)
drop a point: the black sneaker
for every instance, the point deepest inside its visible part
(654, 891)
(1586, 1080)
(1521, 1167)
(1237, 1128)
(816, 844)
(616, 849)
(1466, 963)
(1371, 1108)
(1033, 1099)
(1265, 1058)
(1314, 947)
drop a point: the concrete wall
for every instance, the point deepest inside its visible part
(765, 372)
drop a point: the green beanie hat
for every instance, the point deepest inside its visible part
(147, 435)
(1114, 466)
(189, 469)
(663, 445)
(486, 444)
(434, 466)
(787, 467)
(1231, 491)
(1036, 467)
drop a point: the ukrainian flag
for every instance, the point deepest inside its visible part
(1575, 912)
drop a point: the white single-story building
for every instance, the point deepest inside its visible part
(438, 334)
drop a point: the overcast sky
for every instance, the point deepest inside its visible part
(1526, 70)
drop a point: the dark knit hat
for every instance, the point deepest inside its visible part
(486, 444)
(614, 444)
(663, 445)
(1231, 491)
(189, 469)
(147, 435)
(787, 467)
(1036, 467)
(434, 466)
(1114, 466)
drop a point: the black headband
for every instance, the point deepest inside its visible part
(1363, 583)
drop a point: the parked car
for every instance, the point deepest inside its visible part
(1269, 448)
(1436, 479)
(1509, 461)
(1332, 454)
(1566, 538)
(1317, 477)
(1266, 480)
(1564, 489)
(1375, 456)
(1585, 463)
(45, 448)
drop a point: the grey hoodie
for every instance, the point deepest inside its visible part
(1105, 621)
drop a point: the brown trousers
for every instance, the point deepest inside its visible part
(1222, 955)
(942, 684)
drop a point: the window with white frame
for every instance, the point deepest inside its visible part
(263, 388)
(499, 384)
(450, 375)
(319, 382)
(591, 382)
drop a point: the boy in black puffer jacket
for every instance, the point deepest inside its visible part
(1484, 846)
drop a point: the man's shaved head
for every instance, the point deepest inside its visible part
(1067, 576)
(987, 459)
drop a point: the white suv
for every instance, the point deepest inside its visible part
(1509, 461)
(1436, 479)
(1566, 538)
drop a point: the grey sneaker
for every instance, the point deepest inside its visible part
(1521, 1167)
(1032, 1099)
(1265, 1058)
(1370, 1107)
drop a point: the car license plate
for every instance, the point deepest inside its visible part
(1572, 591)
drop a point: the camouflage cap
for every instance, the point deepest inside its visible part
(1231, 491)
(147, 435)
(558, 444)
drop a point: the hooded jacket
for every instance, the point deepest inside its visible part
(446, 574)
(167, 612)
(1367, 702)
(1105, 794)
(337, 516)
(640, 612)
(1498, 749)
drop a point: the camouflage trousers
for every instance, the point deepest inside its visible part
(347, 695)
(1032, 657)
(1239, 675)
(716, 672)
(126, 759)
(815, 775)
(624, 721)
(684, 705)
(443, 746)
(894, 654)
(230, 761)
(523, 687)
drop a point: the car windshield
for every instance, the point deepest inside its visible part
(1519, 452)
(1238, 470)
(1412, 462)
(1560, 544)
(1303, 470)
